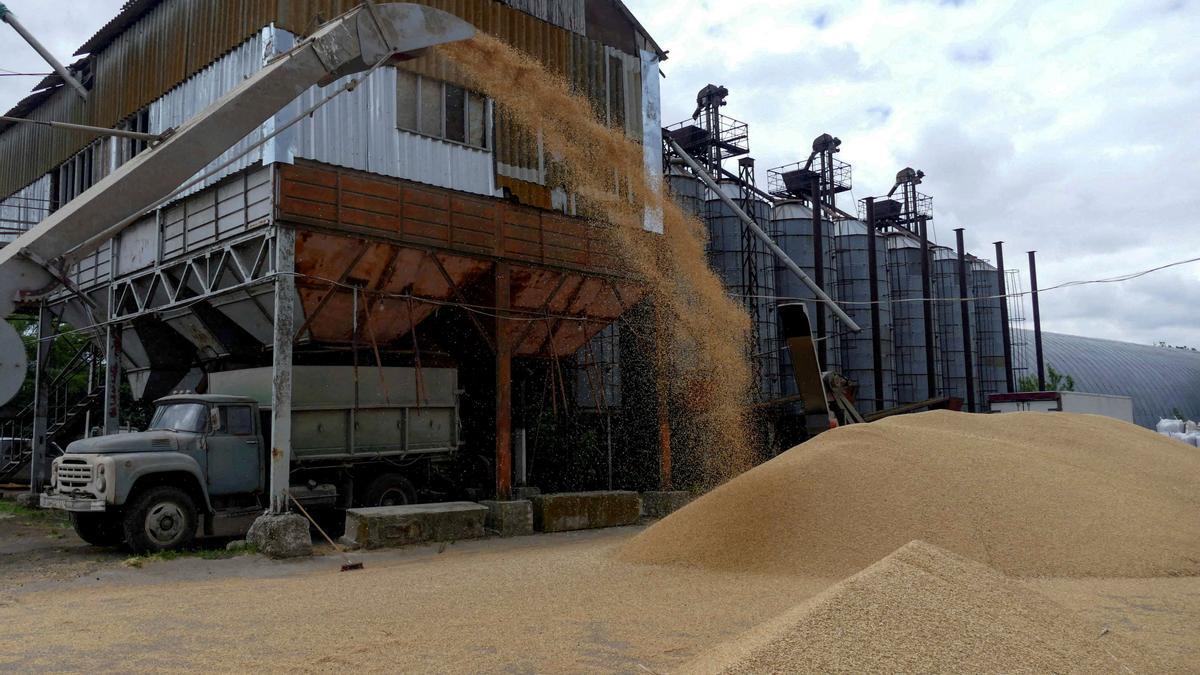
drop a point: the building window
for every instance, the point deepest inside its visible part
(130, 147)
(440, 110)
(75, 175)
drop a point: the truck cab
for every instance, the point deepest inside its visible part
(199, 457)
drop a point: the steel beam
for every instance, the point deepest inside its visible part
(41, 398)
(873, 283)
(504, 348)
(964, 310)
(1006, 334)
(927, 311)
(112, 378)
(1037, 323)
(281, 365)
(779, 253)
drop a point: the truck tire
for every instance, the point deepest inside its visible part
(160, 519)
(98, 529)
(390, 489)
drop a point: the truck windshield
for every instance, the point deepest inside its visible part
(191, 417)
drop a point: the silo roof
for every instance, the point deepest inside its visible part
(1160, 380)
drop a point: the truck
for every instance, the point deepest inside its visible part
(360, 437)
(1118, 407)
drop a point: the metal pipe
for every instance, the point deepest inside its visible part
(964, 309)
(1005, 334)
(873, 283)
(765, 238)
(819, 273)
(1037, 323)
(99, 131)
(927, 304)
(11, 19)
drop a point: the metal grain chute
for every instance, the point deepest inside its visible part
(359, 40)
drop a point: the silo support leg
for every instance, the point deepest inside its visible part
(503, 384)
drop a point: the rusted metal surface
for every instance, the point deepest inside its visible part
(504, 356)
(153, 47)
(396, 239)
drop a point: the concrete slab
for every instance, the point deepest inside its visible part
(585, 510)
(525, 492)
(510, 519)
(390, 526)
(660, 504)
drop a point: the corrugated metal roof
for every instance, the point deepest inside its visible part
(1159, 379)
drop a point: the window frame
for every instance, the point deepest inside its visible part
(426, 86)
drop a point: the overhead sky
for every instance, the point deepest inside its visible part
(1072, 128)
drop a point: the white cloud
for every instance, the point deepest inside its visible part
(1072, 128)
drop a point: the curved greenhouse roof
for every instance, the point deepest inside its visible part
(1161, 380)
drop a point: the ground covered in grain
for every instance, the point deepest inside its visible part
(1031, 494)
(924, 609)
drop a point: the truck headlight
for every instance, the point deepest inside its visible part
(101, 483)
(54, 474)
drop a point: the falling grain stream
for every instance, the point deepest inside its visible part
(702, 332)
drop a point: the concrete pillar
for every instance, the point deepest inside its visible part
(41, 399)
(503, 384)
(281, 363)
(112, 379)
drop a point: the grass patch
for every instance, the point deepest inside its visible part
(139, 561)
(43, 516)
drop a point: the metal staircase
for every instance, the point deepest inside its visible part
(75, 391)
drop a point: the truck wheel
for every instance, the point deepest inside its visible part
(390, 490)
(98, 529)
(161, 518)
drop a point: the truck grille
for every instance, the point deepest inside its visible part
(74, 474)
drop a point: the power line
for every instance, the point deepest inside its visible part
(1019, 294)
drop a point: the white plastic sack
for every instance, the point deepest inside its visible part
(1190, 427)
(1170, 426)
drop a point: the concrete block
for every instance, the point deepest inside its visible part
(525, 492)
(281, 536)
(28, 500)
(390, 526)
(510, 519)
(585, 510)
(660, 504)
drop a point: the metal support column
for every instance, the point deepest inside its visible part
(1006, 334)
(927, 304)
(663, 398)
(873, 283)
(964, 309)
(819, 275)
(503, 383)
(41, 399)
(281, 365)
(112, 379)
(1037, 322)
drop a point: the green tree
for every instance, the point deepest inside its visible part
(1055, 381)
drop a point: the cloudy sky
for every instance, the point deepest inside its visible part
(1072, 128)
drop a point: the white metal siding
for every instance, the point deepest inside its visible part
(201, 90)
(357, 130)
(28, 205)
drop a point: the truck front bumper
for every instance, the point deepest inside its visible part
(66, 503)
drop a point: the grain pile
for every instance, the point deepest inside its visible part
(924, 609)
(1032, 494)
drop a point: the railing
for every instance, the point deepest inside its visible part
(74, 391)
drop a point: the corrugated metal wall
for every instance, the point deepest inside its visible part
(376, 145)
(29, 205)
(181, 37)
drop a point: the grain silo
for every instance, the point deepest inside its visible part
(747, 269)
(686, 189)
(859, 360)
(792, 229)
(952, 359)
(988, 328)
(908, 318)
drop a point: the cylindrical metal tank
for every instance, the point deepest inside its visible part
(747, 268)
(952, 359)
(854, 292)
(686, 189)
(988, 328)
(792, 229)
(908, 318)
